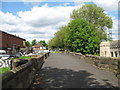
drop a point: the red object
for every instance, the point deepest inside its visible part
(8, 40)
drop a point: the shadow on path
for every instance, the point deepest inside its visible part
(63, 78)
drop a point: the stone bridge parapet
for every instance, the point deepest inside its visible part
(23, 72)
(107, 63)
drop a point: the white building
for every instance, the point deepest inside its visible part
(110, 49)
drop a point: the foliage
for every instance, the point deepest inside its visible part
(82, 37)
(34, 42)
(44, 43)
(96, 16)
(78, 36)
(84, 32)
(11, 58)
(51, 43)
(4, 69)
(28, 44)
(58, 40)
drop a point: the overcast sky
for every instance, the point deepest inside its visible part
(40, 20)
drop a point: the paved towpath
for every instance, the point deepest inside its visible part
(66, 71)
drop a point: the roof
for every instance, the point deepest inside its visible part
(115, 43)
(12, 35)
(111, 44)
(38, 45)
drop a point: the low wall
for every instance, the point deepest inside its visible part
(22, 73)
(107, 63)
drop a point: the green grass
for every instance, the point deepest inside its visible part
(5, 69)
(11, 58)
(96, 55)
(24, 57)
(57, 52)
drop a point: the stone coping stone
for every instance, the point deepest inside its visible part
(14, 72)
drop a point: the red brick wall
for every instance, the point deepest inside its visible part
(8, 41)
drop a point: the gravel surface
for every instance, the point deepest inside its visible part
(66, 71)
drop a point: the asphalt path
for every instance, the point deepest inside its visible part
(66, 71)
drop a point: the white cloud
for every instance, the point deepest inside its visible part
(44, 16)
(114, 29)
(8, 18)
(108, 5)
(39, 23)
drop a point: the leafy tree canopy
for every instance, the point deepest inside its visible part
(28, 44)
(58, 40)
(44, 43)
(82, 37)
(34, 42)
(96, 16)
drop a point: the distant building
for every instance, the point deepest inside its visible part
(110, 49)
(11, 43)
(38, 47)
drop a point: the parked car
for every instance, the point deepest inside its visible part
(16, 55)
(40, 52)
(5, 56)
(2, 53)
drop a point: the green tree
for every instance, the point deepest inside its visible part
(34, 42)
(28, 44)
(44, 43)
(82, 37)
(58, 40)
(52, 43)
(96, 16)
(60, 35)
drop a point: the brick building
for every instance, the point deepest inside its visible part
(11, 43)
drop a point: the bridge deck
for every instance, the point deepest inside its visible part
(65, 71)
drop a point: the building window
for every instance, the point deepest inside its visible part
(111, 54)
(115, 54)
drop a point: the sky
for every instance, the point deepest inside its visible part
(40, 20)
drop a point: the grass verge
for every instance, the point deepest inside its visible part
(24, 57)
(56, 52)
(4, 69)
